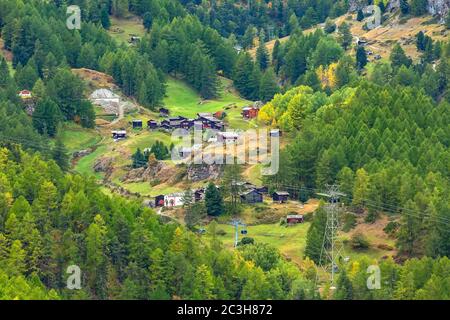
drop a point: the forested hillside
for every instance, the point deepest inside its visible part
(377, 127)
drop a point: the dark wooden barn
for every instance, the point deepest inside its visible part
(251, 196)
(137, 124)
(280, 196)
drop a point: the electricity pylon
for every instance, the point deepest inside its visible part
(331, 246)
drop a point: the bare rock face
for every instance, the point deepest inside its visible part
(201, 172)
(355, 5)
(439, 8)
(81, 153)
(103, 164)
(157, 171)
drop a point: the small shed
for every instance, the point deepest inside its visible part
(280, 196)
(294, 218)
(251, 196)
(163, 112)
(119, 134)
(137, 124)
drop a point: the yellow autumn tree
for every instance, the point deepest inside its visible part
(327, 76)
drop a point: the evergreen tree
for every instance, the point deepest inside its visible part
(398, 57)
(447, 20)
(360, 15)
(138, 159)
(361, 58)
(60, 154)
(46, 117)
(268, 87)
(262, 57)
(344, 289)
(418, 7)
(147, 20)
(315, 236)
(404, 7)
(345, 36)
(213, 201)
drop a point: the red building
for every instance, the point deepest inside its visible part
(250, 112)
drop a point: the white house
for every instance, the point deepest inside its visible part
(173, 199)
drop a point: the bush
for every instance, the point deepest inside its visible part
(221, 232)
(359, 242)
(349, 222)
(246, 240)
(391, 228)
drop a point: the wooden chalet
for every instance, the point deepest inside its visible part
(210, 122)
(280, 196)
(137, 124)
(250, 112)
(186, 123)
(251, 196)
(152, 124)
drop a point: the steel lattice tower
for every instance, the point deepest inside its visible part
(331, 246)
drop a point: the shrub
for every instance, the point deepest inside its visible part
(359, 242)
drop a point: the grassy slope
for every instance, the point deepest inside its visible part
(77, 138)
(291, 241)
(122, 29)
(182, 100)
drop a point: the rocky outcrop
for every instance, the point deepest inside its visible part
(355, 5)
(439, 8)
(158, 171)
(81, 153)
(199, 172)
(103, 164)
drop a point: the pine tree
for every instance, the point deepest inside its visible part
(404, 7)
(213, 201)
(361, 187)
(361, 58)
(262, 56)
(344, 289)
(315, 236)
(360, 15)
(345, 36)
(147, 20)
(138, 159)
(276, 56)
(104, 18)
(46, 117)
(398, 57)
(60, 154)
(5, 76)
(268, 86)
(447, 20)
